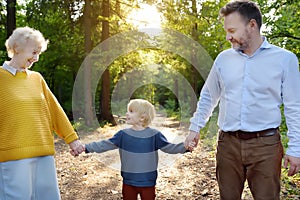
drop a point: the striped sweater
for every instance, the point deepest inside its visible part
(138, 153)
(29, 116)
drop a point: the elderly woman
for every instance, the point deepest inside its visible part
(29, 115)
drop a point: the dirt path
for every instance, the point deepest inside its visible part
(96, 176)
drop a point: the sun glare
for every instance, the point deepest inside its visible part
(145, 17)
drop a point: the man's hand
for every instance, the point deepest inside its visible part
(294, 163)
(76, 148)
(191, 140)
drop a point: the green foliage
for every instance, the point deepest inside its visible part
(81, 125)
(169, 107)
(282, 22)
(119, 108)
(290, 185)
(209, 133)
(283, 129)
(62, 23)
(201, 23)
(3, 53)
(185, 112)
(65, 53)
(3, 33)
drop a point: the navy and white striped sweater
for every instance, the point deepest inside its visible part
(138, 153)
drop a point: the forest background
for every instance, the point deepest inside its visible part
(75, 28)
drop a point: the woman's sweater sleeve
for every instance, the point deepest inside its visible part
(59, 120)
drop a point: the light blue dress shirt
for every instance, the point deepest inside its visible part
(250, 91)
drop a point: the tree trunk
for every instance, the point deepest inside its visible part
(194, 76)
(87, 70)
(11, 17)
(105, 90)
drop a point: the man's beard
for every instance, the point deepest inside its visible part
(239, 45)
(242, 44)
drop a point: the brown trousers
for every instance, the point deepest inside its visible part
(131, 192)
(256, 160)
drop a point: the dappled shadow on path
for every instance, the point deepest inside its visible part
(186, 177)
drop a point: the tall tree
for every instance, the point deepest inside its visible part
(60, 23)
(87, 70)
(3, 32)
(105, 91)
(11, 16)
(198, 20)
(194, 74)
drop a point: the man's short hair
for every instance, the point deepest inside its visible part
(247, 9)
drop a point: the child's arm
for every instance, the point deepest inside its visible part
(167, 147)
(174, 148)
(104, 145)
(99, 147)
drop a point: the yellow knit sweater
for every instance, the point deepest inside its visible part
(29, 115)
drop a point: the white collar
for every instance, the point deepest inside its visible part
(12, 70)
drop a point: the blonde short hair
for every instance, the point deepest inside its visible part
(20, 37)
(144, 108)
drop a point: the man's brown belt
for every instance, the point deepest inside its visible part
(244, 135)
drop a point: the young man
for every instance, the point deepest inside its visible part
(251, 81)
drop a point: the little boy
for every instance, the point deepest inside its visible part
(138, 147)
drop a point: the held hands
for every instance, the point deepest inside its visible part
(294, 163)
(191, 141)
(76, 148)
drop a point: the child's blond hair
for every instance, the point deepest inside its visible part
(20, 37)
(144, 108)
